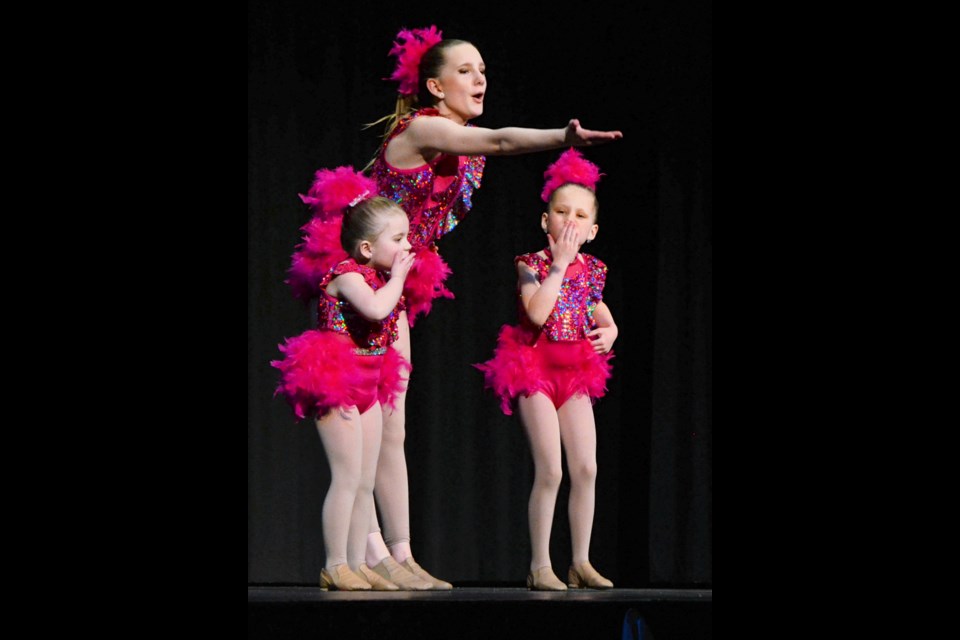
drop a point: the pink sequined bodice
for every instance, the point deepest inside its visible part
(371, 338)
(437, 195)
(580, 293)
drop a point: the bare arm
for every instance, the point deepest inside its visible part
(373, 305)
(539, 298)
(602, 316)
(437, 134)
(606, 332)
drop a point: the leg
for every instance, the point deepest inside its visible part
(371, 428)
(391, 487)
(390, 490)
(579, 435)
(342, 439)
(363, 509)
(541, 425)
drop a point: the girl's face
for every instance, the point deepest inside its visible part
(392, 240)
(462, 83)
(571, 202)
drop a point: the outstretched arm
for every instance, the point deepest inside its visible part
(432, 134)
(606, 332)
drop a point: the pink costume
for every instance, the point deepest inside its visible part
(346, 361)
(436, 197)
(557, 360)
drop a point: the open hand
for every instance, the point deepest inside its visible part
(577, 136)
(565, 248)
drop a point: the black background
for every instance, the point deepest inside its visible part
(314, 78)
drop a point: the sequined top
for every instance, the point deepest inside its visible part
(371, 338)
(580, 293)
(436, 195)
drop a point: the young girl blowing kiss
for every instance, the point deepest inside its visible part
(344, 370)
(555, 364)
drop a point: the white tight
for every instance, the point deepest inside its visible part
(351, 441)
(392, 490)
(546, 428)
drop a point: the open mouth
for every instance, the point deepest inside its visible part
(478, 97)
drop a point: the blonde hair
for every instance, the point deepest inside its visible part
(405, 106)
(363, 222)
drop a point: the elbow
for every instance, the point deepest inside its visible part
(505, 148)
(538, 319)
(498, 148)
(380, 315)
(502, 146)
(538, 314)
(374, 314)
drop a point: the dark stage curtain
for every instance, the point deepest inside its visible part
(314, 78)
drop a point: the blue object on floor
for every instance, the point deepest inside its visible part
(634, 628)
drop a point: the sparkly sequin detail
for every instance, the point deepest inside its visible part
(437, 195)
(580, 293)
(371, 338)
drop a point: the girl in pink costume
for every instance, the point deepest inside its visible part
(430, 162)
(555, 364)
(343, 371)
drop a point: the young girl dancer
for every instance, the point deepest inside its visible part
(430, 162)
(342, 371)
(555, 364)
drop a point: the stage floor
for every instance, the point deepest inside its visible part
(294, 594)
(291, 611)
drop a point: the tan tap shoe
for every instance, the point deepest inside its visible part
(342, 578)
(411, 565)
(544, 579)
(585, 576)
(389, 568)
(378, 582)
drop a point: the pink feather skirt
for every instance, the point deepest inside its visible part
(321, 371)
(524, 365)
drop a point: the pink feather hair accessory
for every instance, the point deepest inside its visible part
(413, 43)
(334, 190)
(570, 167)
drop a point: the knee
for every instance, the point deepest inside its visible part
(365, 485)
(548, 476)
(345, 482)
(394, 431)
(584, 472)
